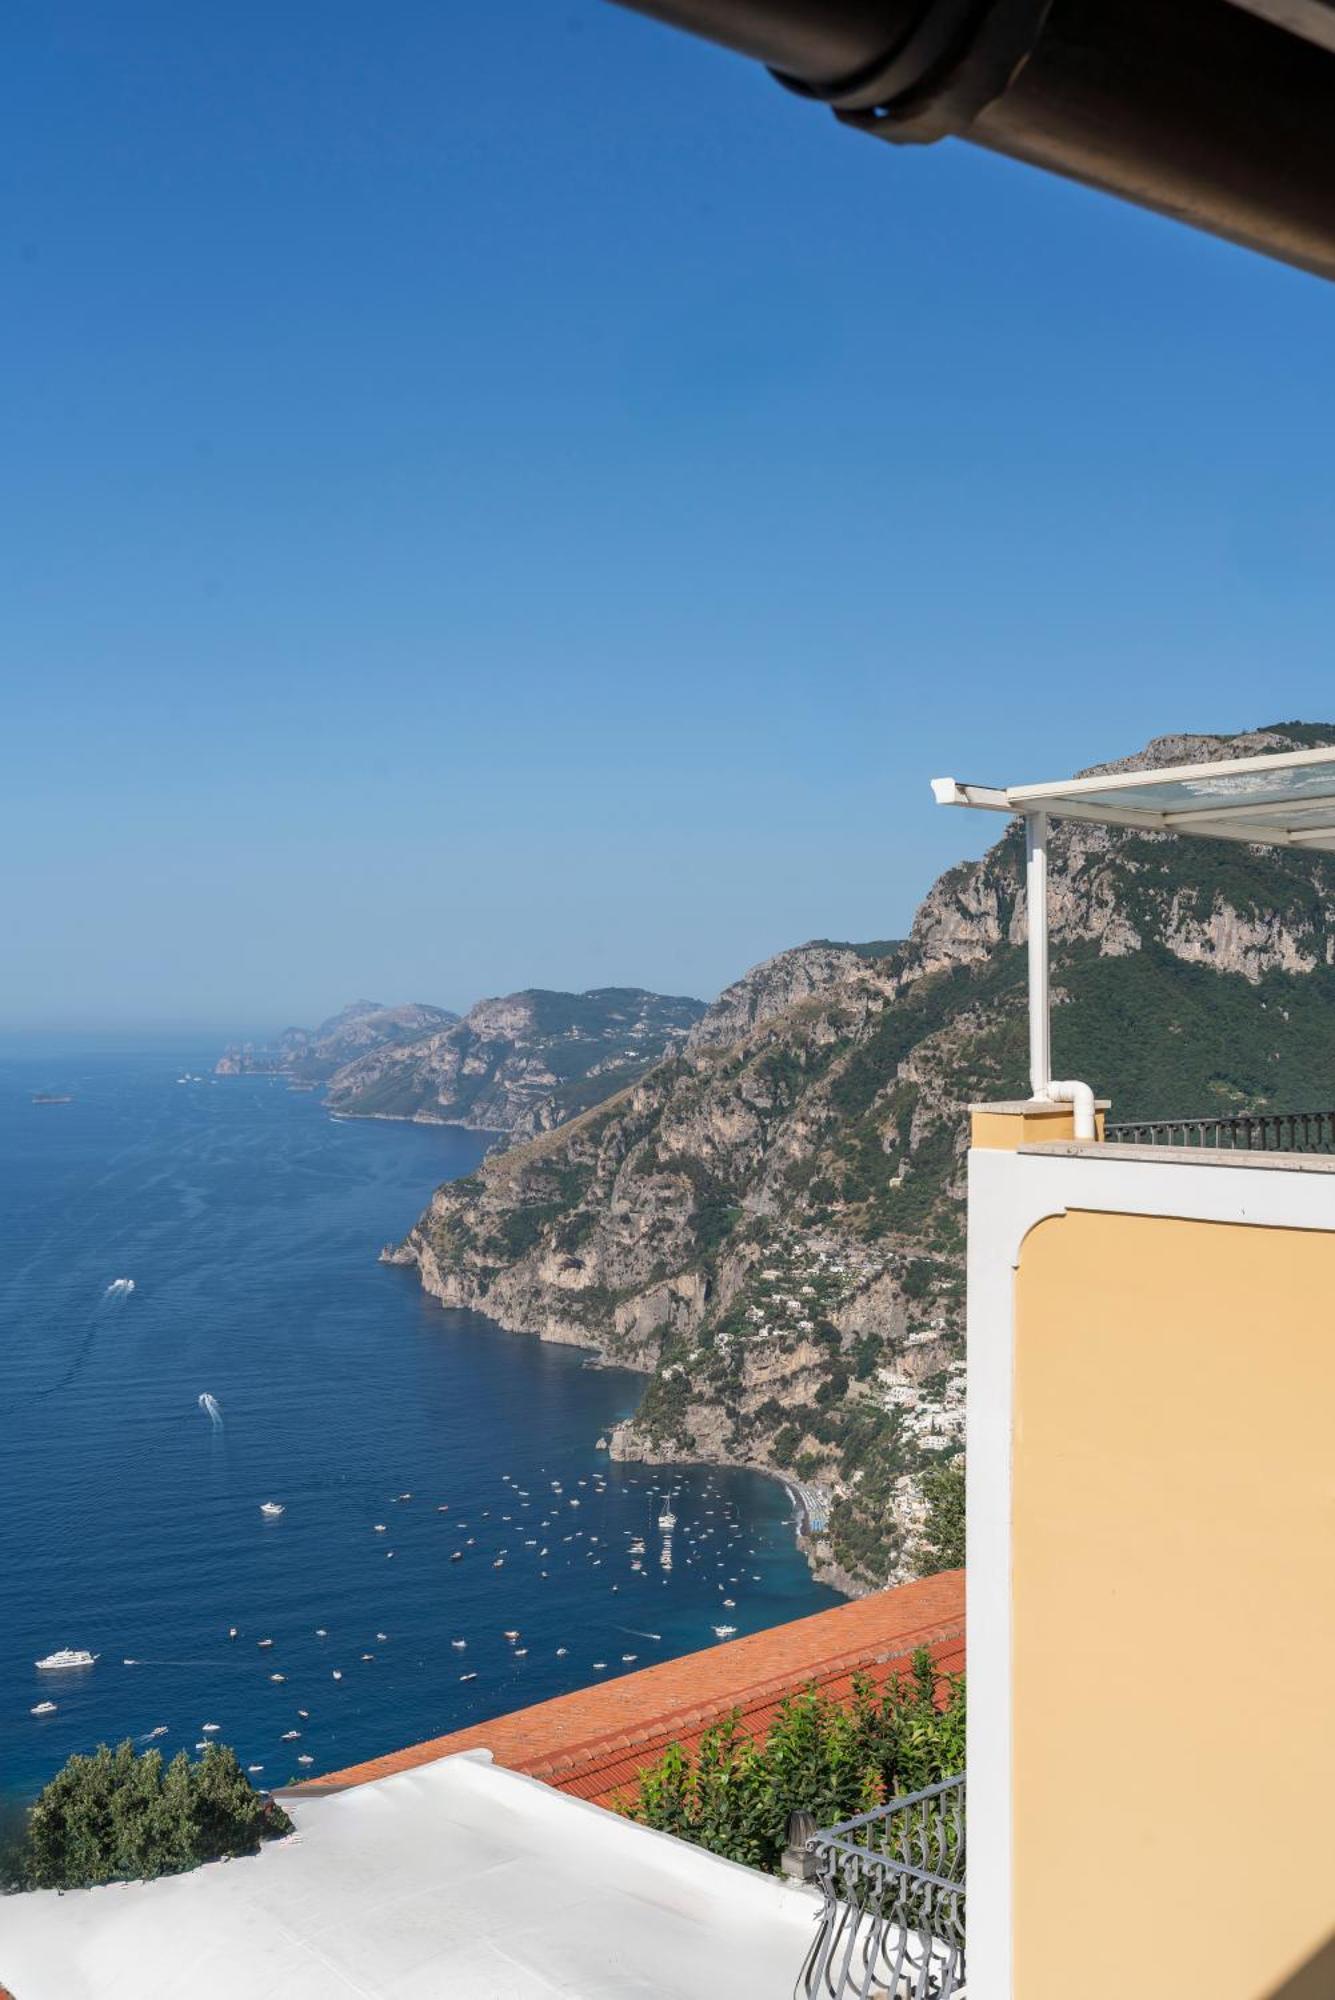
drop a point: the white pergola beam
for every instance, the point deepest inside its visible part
(1036, 902)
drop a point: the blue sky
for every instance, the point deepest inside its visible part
(504, 495)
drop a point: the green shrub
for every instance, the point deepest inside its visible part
(116, 1817)
(943, 1531)
(822, 1756)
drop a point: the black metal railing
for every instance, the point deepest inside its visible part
(1245, 1132)
(892, 1886)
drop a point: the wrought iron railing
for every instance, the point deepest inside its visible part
(1246, 1132)
(892, 1884)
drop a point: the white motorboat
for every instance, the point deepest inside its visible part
(271, 1508)
(724, 1631)
(43, 1708)
(667, 1521)
(68, 1657)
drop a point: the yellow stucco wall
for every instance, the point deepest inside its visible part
(1174, 1611)
(1003, 1128)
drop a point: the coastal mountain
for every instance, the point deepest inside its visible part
(522, 1064)
(770, 1220)
(313, 1054)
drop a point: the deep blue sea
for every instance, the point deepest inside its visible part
(391, 1432)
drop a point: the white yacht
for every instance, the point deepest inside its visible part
(69, 1657)
(271, 1508)
(667, 1520)
(724, 1631)
(43, 1708)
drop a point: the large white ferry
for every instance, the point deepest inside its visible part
(68, 1657)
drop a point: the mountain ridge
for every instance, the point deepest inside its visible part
(518, 1064)
(769, 1222)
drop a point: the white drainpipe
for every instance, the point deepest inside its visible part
(1078, 1095)
(1081, 1098)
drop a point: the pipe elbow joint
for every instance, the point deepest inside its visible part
(1081, 1099)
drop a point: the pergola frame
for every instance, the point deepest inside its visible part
(1219, 801)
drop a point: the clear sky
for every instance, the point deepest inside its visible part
(501, 495)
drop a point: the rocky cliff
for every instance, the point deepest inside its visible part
(770, 1220)
(520, 1065)
(314, 1054)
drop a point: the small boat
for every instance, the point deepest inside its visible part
(68, 1657)
(561, 1652)
(667, 1520)
(253, 1768)
(320, 1632)
(598, 1665)
(264, 1642)
(458, 1644)
(626, 1658)
(305, 1714)
(468, 1677)
(380, 1528)
(43, 1708)
(271, 1509)
(304, 1759)
(368, 1656)
(509, 1635)
(161, 1730)
(724, 1631)
(521, 1652)
(231, 1631)
(278, 1677)
(730, 1604)
(210, 1728)
(129, 1663)
(337, 1675)
(405, 1496)
(458, 1556)
(289, 1736)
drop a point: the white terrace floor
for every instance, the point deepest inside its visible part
(459, 1881)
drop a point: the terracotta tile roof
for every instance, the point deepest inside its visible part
(593, 1742)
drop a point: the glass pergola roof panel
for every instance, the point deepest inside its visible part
(1290, 788)
(1286, 799)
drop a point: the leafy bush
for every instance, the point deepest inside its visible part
(116, 1817)
(822, 1756)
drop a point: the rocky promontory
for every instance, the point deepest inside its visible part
(770, 1219)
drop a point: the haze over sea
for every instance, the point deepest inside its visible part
(250, 1222)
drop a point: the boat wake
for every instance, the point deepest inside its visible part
(212, 1410)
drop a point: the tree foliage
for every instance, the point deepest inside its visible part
(943, 1532)
(821, 1755)
(116, 1816)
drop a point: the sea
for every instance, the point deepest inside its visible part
(452, 1543)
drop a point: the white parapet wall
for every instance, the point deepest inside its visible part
(458, 1879)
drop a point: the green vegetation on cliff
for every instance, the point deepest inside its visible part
(771, 1220)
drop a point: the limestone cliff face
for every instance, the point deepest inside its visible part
(773, 987)
(522, 1064)
(770, 1219)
